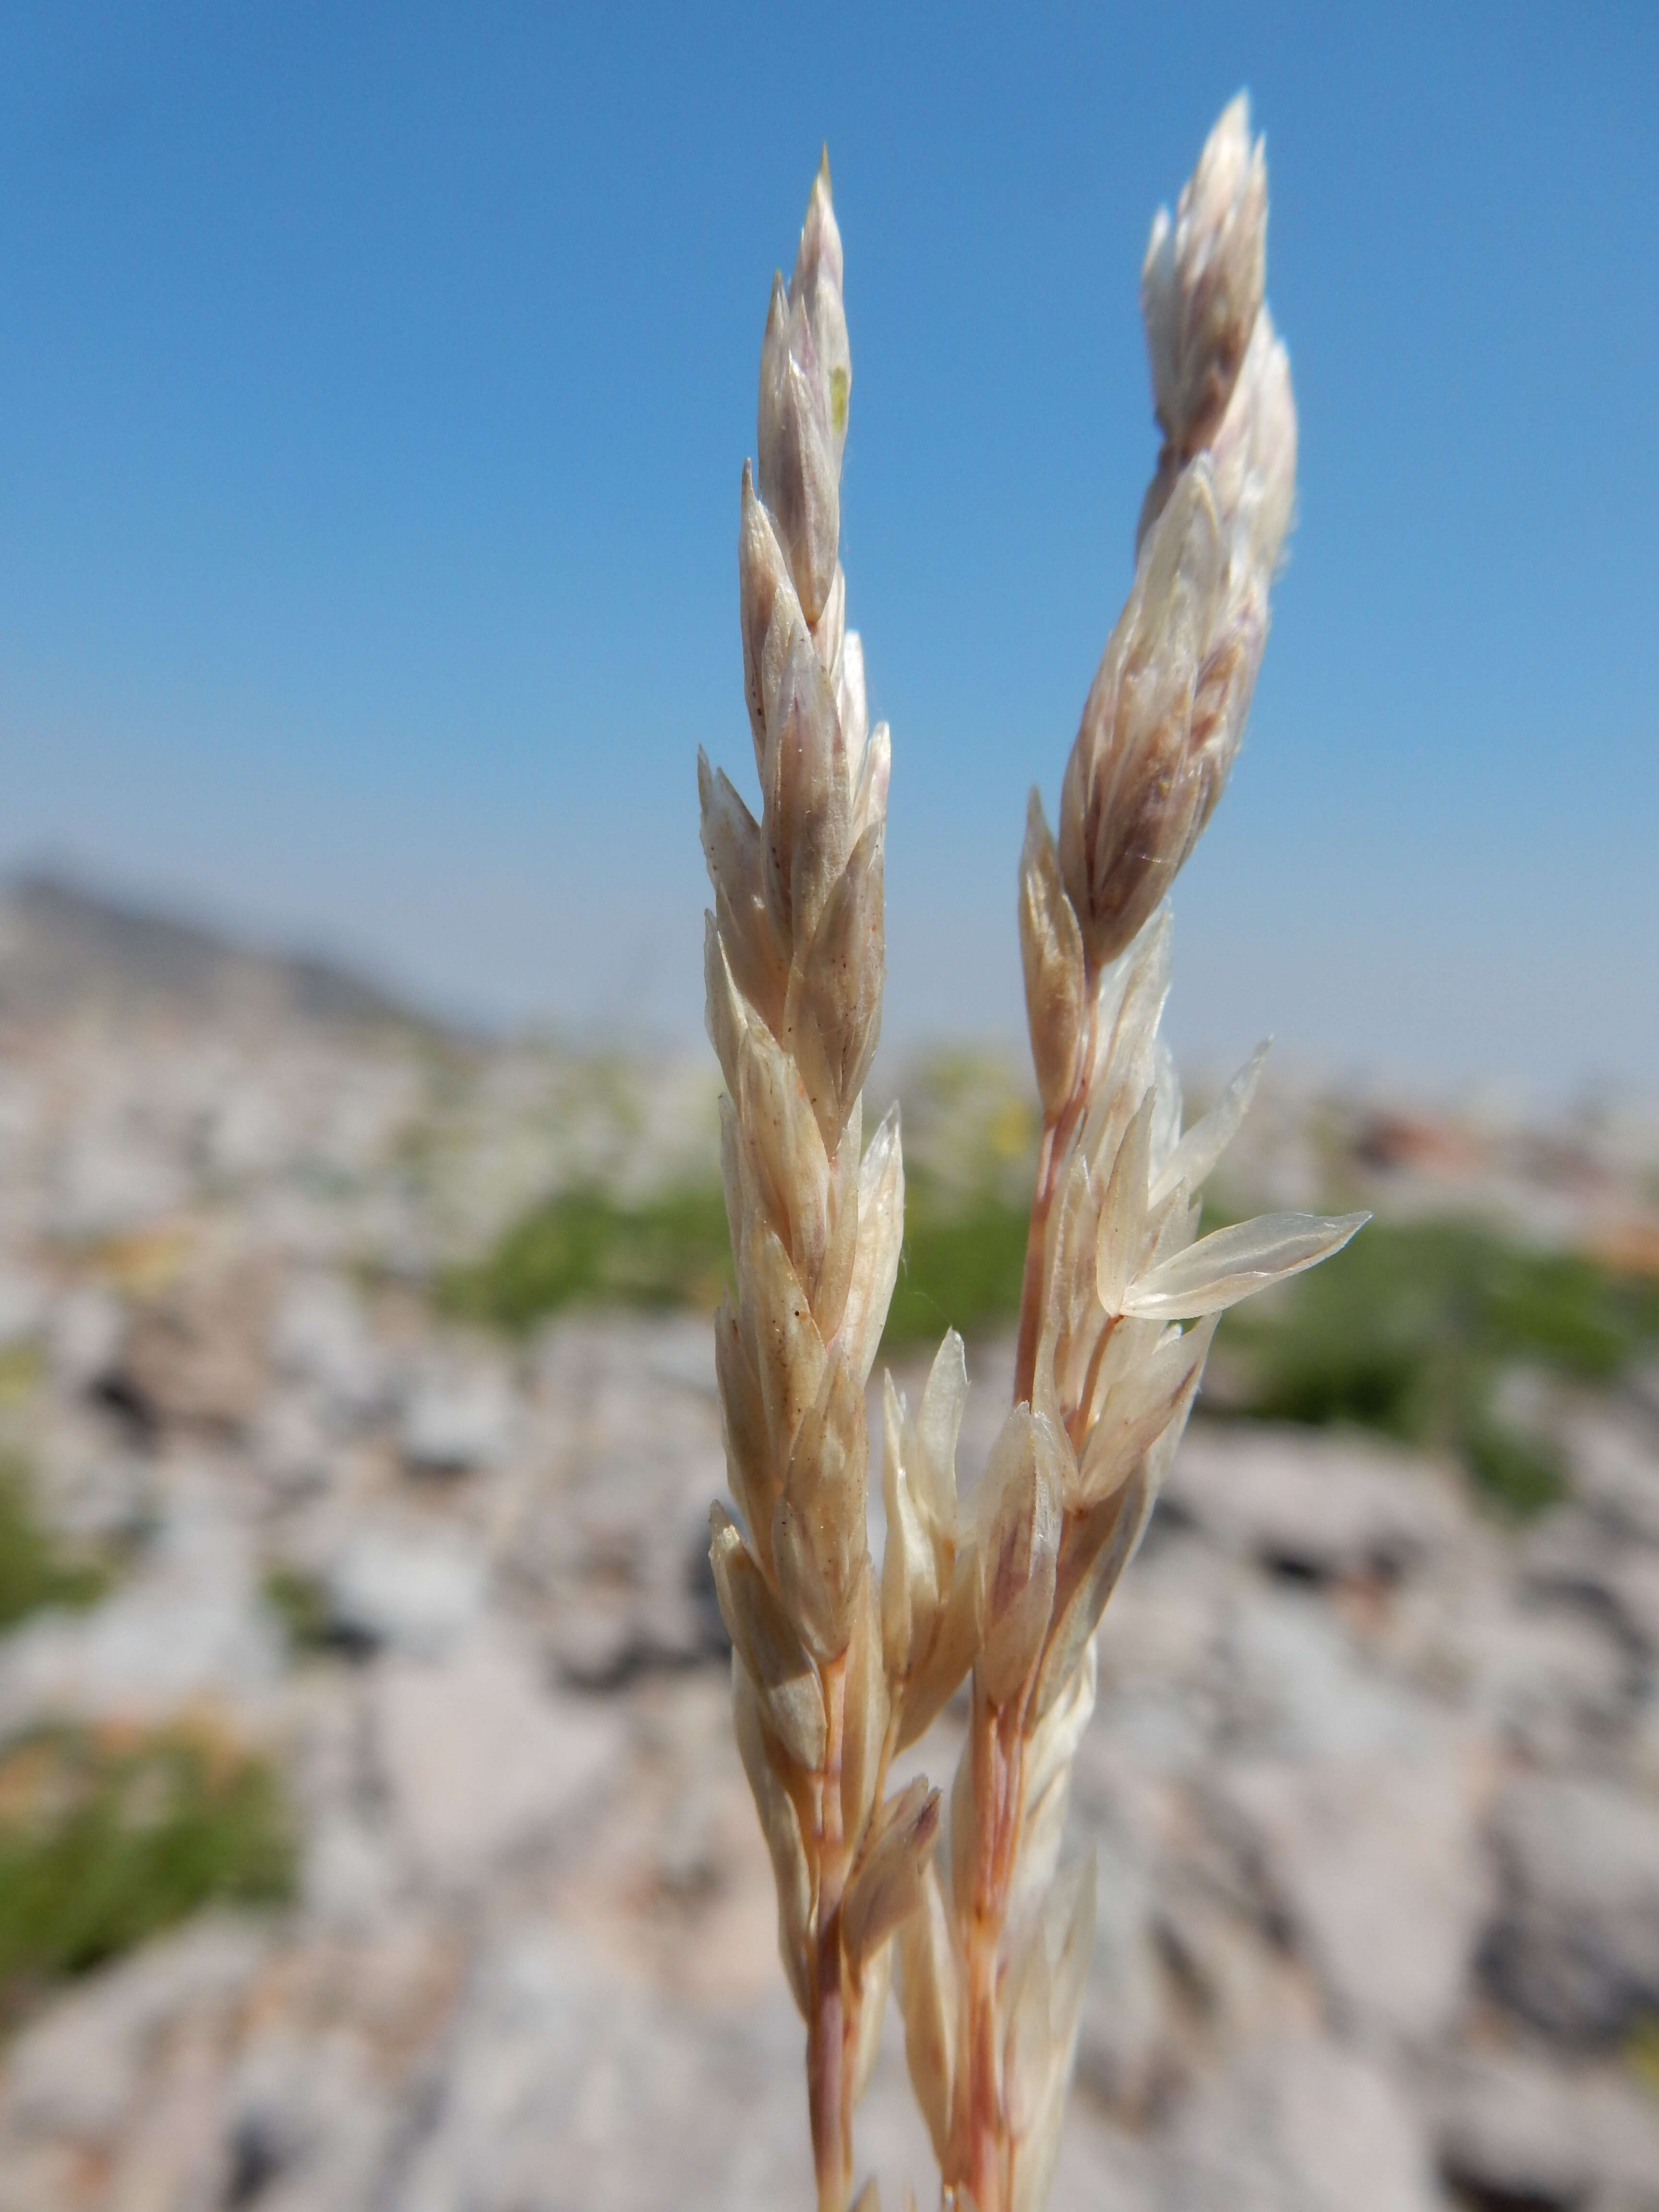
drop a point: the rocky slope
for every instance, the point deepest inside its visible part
(1373, 1785)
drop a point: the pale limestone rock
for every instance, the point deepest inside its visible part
(1614, 1457)
(1574, 1947)
(459, 1416)
(1330, 1505)
(320, 1338)
(186, 1626)
(480, 1761)
(1298, 2127)
(1375, 1868)
(414, 1590)
(1574, 1554)
(1513, 2128)
(77, 2072)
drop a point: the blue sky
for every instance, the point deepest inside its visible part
(374, 382)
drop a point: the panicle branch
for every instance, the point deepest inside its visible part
(830, 1665)
(994, 1965)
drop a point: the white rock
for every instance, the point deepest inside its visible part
(1298, 2127)
(292, 1446)
(1375, 1867)
(319, 1336)
(416, 1592)
(1296, 1685)
(23, 1304)
(87, 1327)
(1329, 1504)
(480, 1761)
(458, 1418)
(188, 1626)
(1515, 2129)
(1575, 1554)
(306, 2124)
(76, 2071)
(680, 1350)
(1547, 1678)
(348, 1876)
(1575, 1947)
(1125, 2011)
(569, 2087)
(1615, 1468)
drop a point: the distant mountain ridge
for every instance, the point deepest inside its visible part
(67, 948)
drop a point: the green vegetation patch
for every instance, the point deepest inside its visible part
(583, 1248)
(34, 1570)
(107, 1837)
(1410, 1329)
(961, 1267)
(300, 1603)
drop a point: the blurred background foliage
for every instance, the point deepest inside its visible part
(35, 1569)
(1426, 1330)
(108, 1835)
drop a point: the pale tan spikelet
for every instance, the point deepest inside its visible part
(938, 1425)
(881, 1237)
(1166, 713)
(787, 1842)
(1121, 1238)
(1203, 282)
(1189, 1164)
(1236, 1263)
(1051, 947)
(875, 1981)
(817, 1530)
(789, 1695)
(929, 1615)
(833, 1015)
(1099, 1548)
(1022, 1488)
(798, 464)
(783, 1341)
(932, 1995)
(910, 1594)
(867, 1711)
(1137, 1410)
(1136, 787)
(1043, 2033)
(956, 1642)
(886, 1887)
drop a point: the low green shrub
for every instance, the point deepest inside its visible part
(1410, 1329)
(300, 1603)
(583, 1248)
(36, 1570)
(107, 1837)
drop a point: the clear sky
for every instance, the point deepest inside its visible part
(374, 382)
